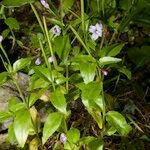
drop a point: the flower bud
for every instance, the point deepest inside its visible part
(1, 39)
(38, 61)
(63, 138)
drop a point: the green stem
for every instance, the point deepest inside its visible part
(37, 17)
(19, 90)
(82, 15)
(81, 41)
(4, 63)
(5, 54)
(49, 43)
(47, 63)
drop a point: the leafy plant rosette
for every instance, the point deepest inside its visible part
(71, 65)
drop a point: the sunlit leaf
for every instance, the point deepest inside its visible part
(58, 100)
(22, 126)
(51, 125)
(96, 145)
(73, 135)
(87, 71)
(116, 120)
(108, 60)
(21, 64)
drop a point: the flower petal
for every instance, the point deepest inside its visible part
(99, 27)
(94, 36)
(92, 29)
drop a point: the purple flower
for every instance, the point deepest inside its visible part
(38, 61)
(44, 3)
(63, 138)
(56, 30)
(96, 31)
(1, 39)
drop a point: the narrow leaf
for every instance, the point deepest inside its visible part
(108, 60)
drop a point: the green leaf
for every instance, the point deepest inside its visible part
(21, 64)
(51, 125)
(73, 135)
(116, 50)
(59, 78)
(58, 100)
(5, 33)
(111, 50)
(108, 60)
(37, 82)
(87, 71)
(86, 140)
(96, 145)
(43, 72)
(16, 3)
(35, 96)
(11, 134)
(12, 23)
(90, 91)
(4, 116)
(125, 71)
(116, 120)
(15, 104)
(22, 126)
(110, 131)
(62, 46)
(3, 77)
(92, 100)
(67, 5)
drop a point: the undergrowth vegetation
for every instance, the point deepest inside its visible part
(87, 62)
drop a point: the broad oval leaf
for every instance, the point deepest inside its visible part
(59, 101)
(21, 64)
(62, 46)
(51, 125)
(22, 126)
(116, 120)
(108, 60)
(12, 23)
(87, 71)
(96, 145)
(16, 3)
(73, 135)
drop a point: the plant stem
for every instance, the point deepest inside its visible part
(37, 17)
(82, 15)
(5, 54)
(47, 63)
(81, 41)
(49, 42)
